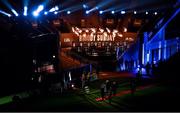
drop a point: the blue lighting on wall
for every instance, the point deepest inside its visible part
(159, 55)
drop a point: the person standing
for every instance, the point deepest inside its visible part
(148, 69)
(108, 85)
(114, 88)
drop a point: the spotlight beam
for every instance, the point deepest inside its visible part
(3, 12)
(15, 13)
(38, 10)
(25, 11)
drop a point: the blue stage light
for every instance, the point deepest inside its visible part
(15, 13)
(68, 12)
(56, 8)
(85, 6)
(40, 8)
(45, 13)
(55, 12)
(35, 13)
(7, 14)
(25, 11)
(112, 12)
(100, 12)
(52, 9)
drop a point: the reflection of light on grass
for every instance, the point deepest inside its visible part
(5, 100)
(8, 99)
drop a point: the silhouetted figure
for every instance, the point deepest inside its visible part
(153, 68)
(110, 94)
(139, 76)
(148, 68)
(108, 86)
(114, 88)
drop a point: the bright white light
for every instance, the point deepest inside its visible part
(87, 12)
(112, 12)
(45, 13)
(56, 8)
(125, 29)
(52, 9)
(15, 13)
(70, 76)
(25, 11)
(146, 13)
(135, 12)
(68, 12)
(54, 56)
(155, 13)
(123, 12)
(85, 6)
(35, 13)
(2, 12)
(55, 12)
(87, 31)
(120, 35)
(148, 57)
(40, 8)
(9, 15)
(100, 12)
